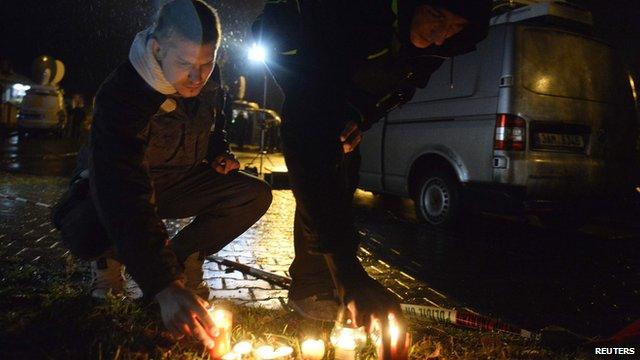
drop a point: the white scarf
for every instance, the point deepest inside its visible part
(141, 56)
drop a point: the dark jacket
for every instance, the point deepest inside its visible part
(135, 147)
(335, 61)
(359, 49)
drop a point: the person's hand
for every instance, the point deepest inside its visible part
(432, 25)
(350, 137)
(368, 301)
(185, 313)
(224, 164)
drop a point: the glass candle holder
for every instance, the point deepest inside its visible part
(221, 332)
(312, 349)
(347, 341)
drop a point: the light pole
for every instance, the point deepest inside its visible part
(258, 54)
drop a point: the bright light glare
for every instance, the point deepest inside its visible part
(257, 53)
(20, 87)
(633, 88)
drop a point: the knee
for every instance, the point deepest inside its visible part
(262, 196)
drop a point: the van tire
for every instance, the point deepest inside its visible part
(438, 200)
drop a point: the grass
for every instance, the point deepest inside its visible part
(46, 312)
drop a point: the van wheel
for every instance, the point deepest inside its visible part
(438, 200)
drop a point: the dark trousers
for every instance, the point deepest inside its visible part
(224, 207)
(323, 180)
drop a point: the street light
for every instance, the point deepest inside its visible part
(258, 54)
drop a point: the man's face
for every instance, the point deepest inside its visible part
(185, 64)
(432, 25)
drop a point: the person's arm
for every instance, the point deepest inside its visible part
(219, 153)
(120, 184)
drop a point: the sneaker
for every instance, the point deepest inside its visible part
(193, 276)
(322, 307)
(106, 278)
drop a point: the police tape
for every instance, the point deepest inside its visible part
(465, 319)
(456, 317)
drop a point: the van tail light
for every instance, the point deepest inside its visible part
(510, 133)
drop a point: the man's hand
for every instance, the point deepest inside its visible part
(224, 164)
(432, 25)
(367, 301)
(350, 137)
(185, 313)
(364, 297)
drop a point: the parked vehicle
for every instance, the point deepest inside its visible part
(42, 109)
(540, 118)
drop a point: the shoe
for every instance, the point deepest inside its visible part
(321, 307)
(193, 276)
(106, 278)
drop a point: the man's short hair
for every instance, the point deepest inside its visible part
(193, 20)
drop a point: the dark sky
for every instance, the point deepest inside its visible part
(92, 37)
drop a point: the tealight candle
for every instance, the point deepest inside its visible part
(283, 352)
(265, 352)
(243, 348)
(345, 349)
(231, 356)
(312, 349)
(346, 341)
(222, 323)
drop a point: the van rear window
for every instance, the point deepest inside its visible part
(557, 63)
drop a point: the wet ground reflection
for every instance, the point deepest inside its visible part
(525, 274)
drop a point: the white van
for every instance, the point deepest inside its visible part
(540, 118)
(42, 109)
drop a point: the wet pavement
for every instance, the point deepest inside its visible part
(587, 281)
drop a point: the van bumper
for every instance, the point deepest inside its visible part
(566, 178)
(514, 199)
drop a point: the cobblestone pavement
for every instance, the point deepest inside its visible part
(26, 230)
(587, 281)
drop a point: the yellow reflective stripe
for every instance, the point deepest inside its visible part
(290, 52)
(378, 54)
(394, 8)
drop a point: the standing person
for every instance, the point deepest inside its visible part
(77, 115)
(343, 65)
(152, 155)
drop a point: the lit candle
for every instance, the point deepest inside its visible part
(312, 349)
(222, 323)
(231, 356)
(347, 340)
(399, 339)
(345, 348)
(283, 352)
(243, 348)
(265, 352)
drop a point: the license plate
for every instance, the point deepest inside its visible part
(560, 140)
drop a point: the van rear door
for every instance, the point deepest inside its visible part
(575, 93)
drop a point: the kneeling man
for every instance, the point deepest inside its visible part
(153, 154)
